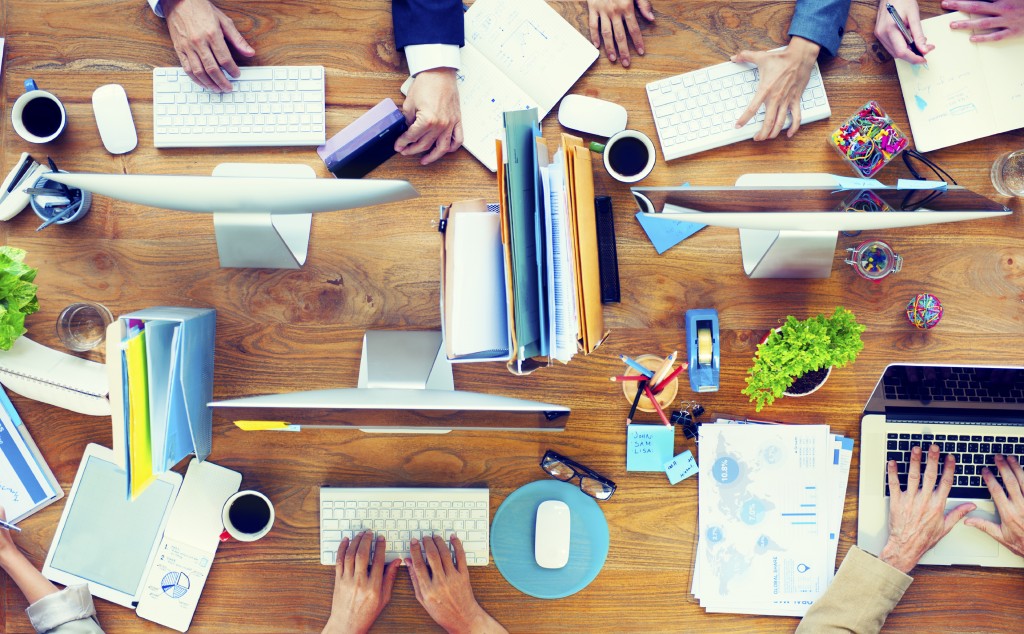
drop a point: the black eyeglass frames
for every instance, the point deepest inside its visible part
(591, 482)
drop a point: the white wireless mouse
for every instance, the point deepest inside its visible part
(114, 119)
(551, 538)
(593, 116)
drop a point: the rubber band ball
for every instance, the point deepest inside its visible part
(924, 311)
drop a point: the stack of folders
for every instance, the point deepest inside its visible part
(26, 482)
(770, 508)
(165, 382)
(549, 238)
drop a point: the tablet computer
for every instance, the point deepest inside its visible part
(104, 539)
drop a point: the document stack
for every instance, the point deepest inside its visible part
(166, 374)
(521, 280)
(770, 509)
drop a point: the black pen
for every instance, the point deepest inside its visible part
(903, 29)
(636, 401)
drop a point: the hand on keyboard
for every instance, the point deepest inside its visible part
(432, 111)
(362, 586)
(201, 33)
(1009, 502)
(784, 74)
(611, 19)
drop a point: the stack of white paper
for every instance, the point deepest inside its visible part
(770, 509)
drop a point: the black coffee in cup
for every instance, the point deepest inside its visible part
(42, 117)
(628, 156)
(249, 514)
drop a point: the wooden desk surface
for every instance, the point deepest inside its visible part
(378, 268)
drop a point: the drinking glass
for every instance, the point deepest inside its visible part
(83, 325)
(1008, 174)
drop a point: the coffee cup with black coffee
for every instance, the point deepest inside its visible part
(629, 156)
(38, 116)
(248, 516)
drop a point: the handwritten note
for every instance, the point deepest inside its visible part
(649, 447)
(681, 467)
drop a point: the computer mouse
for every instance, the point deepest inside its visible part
(592, 116)
(114, 119)
(551, 537)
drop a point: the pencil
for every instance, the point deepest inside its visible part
(636, 401)
(660, 385)
(625, 378)
(636, 366)
(657, 405)
(9, 526)
(665, 368)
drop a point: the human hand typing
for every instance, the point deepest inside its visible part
(610, 20)
(432, 111)
(892, 38)
(917, 516)
(1009, 502)
(443, 589)
(1000, 19)
(201, 33)
(360, 594)
(783, 77)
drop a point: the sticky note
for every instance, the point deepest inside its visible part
(681, 467)
(905, 183)
(847, 182)
(649, 447)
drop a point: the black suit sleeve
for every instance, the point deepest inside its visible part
(428, 22)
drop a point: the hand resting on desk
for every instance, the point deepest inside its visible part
(362, 588)
(610, 20)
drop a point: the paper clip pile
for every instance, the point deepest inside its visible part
(869, 140)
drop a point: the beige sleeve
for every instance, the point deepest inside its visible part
(863, 593)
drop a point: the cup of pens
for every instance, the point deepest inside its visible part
(662, 384)
(56, 203)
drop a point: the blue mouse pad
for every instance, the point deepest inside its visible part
(512, 537)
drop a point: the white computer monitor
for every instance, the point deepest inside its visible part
(405, 386)
(789, 223)
(262, 213)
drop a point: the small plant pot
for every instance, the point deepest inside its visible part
(812, 390)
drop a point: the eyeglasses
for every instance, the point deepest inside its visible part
(591, 482)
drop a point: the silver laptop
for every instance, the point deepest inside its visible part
(973, 412)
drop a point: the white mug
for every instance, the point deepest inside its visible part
(38, 116)
(627, 168)
(236, 527)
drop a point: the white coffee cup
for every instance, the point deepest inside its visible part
(626, 167)
(254, 523)
(38, 116)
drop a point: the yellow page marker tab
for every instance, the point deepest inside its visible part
(261, 425)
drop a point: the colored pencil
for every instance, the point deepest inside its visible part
(657, 405)
(636, 366)
(664, 369)
(636, 401)
(625, 378)
(660, 385)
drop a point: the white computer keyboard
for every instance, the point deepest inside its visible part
(697, 111)
(403, 513)
(269, 105)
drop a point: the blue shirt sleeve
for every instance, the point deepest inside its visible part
(820, 21)
(428, 22)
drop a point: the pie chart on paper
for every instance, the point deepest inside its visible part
(175, 584)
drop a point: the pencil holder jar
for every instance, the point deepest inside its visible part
(665, 397)
(71, 206)
(868, 140)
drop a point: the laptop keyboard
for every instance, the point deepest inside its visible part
(959, 384)
(972, 453)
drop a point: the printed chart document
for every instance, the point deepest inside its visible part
(970, 89)
(518, 55)
(26, 482)
(765, 496)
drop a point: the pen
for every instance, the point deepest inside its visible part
(665, 368)
(636, 401)
(636, 366)
(660, 385)
(9, 526)
(657, 405)
(903, 29)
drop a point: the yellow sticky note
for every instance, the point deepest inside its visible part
(261, 425)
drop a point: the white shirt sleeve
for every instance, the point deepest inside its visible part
(157, 9)
(423, 57)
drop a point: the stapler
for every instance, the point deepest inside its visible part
(702, 349)
(13, 198)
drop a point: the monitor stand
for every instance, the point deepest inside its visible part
(407, 359)
(787, 254)
(258, 239)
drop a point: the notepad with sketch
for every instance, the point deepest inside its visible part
(518, 55)
(970, 90)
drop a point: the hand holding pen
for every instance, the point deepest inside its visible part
(898, 28)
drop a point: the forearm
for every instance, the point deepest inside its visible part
(821, 22)
(27, 577)
(865, 590)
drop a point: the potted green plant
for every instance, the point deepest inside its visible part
(797, 358)
(17, 295)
